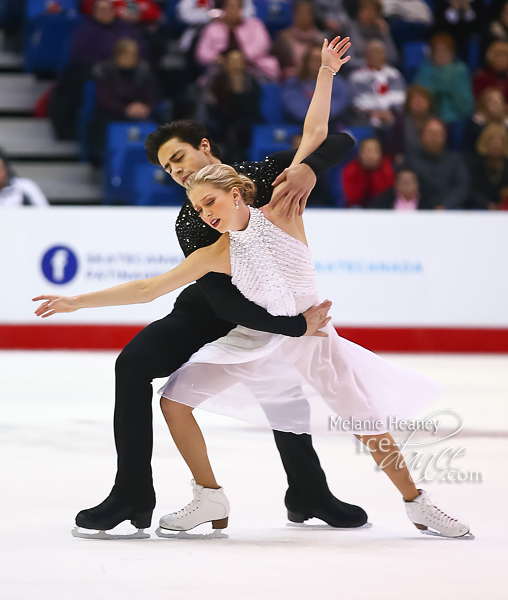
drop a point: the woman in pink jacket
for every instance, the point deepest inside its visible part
(234, 32)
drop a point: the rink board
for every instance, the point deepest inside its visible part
(398, 281)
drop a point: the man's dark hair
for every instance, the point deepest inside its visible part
(185, 130)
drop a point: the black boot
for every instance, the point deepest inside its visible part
(332, 511)
(112, 512)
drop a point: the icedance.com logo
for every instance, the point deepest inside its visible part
(423, 463)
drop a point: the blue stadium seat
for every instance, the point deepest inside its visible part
(48, 41)
(125, 150)
(172, 22)
(85, 117)
(414, 55)
(34, 8)
(271, 103)
(275, 14)
(154, 187)
(359, 133)
(334, 177)
(267, 139)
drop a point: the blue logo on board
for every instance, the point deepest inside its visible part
(59, 265)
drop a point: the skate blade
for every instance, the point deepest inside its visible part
(326, 526)
(185, 535)
(466, 536)
(104, 535)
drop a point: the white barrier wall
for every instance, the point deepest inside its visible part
(379, 268)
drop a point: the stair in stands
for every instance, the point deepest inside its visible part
(29, 138)
(64, 183)
(19, 93)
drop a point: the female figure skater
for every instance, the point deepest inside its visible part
(270, 263)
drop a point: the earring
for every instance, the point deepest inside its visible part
(236, 204)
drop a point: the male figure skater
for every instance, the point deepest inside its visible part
(206, 311)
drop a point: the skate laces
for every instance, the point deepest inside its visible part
(437, 513)
(189, 508)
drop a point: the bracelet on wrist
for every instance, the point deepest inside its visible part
(329, 68)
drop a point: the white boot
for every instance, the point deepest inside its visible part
(208, 505)
(425, 514)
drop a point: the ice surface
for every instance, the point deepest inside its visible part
(57, 457)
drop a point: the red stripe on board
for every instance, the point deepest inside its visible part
(63, 337)
(379, 339)
(428, 339)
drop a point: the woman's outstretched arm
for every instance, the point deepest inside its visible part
(199, 263)
(315, 127)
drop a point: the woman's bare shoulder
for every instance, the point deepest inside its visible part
(293, 226)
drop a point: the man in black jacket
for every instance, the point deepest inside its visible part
(206, 311)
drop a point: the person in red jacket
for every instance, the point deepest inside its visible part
(367, 176)
(495, 74)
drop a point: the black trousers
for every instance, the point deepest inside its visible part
(159, 350)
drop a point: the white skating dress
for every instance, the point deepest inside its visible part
(302, 385)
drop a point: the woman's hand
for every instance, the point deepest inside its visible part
(54, 304)
(332, 53)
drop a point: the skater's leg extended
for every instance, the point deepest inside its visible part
(189, 440)
(387, 455)
(424, 513)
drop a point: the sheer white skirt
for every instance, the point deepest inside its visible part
(302, 385)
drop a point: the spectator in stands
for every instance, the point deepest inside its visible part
(132, 11)
(378, 91)
(497, 30)
(233, 106)
(233, 31)
(197, 13)
(332, 17)
(448, 79)
(489, 170)
(409, 20)
(96, 36)
(292, 43)
(490, 108)
(93, 42)
(495, 73)
(409, 11)
(18, 191)
(370, 25)
(404, 195)
(147, 16)
(367, 176)
(406, 134)
(126, 91)
(459, 18)
(442, 173)
(297, 91)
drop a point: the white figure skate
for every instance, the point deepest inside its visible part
(431, 520)
(209, 505)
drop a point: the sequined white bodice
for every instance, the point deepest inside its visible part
(272, 268)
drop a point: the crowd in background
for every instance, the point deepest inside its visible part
(222, 54)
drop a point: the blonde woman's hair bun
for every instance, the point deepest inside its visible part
(223, 177)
